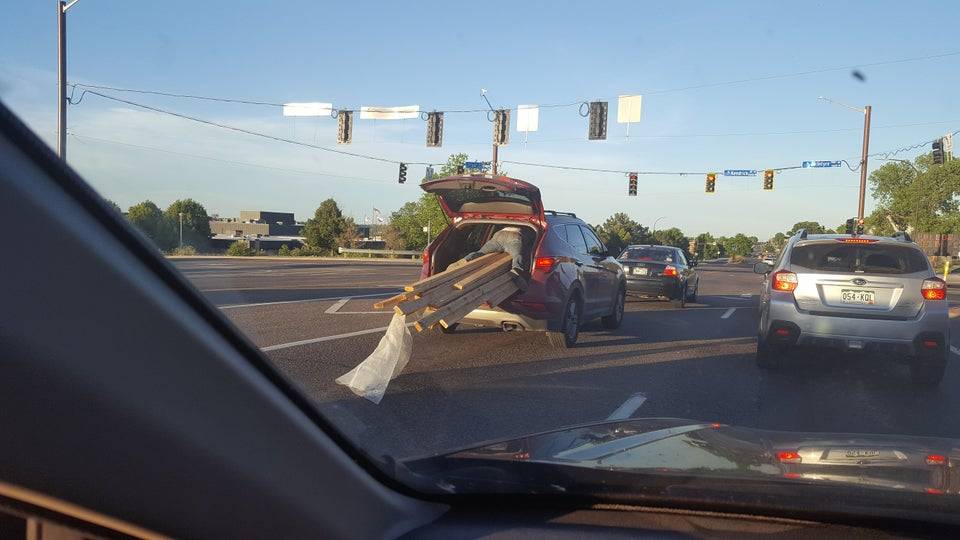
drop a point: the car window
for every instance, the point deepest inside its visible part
(594, 246)
(575, 238)
(560, 231)
(681, 258)
(866, 258)
(649, 254)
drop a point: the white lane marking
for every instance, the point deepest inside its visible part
(324, 338)
(231, 306)
(728, 313)
(955, 350)
(628, 407)
(746, 295)
(338, 304)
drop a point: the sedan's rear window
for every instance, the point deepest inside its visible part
(866, 258)
(649, 254)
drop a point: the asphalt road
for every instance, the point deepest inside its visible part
(315, 322)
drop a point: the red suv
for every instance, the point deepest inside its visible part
(572, 277)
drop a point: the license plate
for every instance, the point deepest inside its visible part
(853, 296)
(861, 453)
(639, 271)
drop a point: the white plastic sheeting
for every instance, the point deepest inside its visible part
(370, 378)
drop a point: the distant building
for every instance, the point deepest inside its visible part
(264, 230)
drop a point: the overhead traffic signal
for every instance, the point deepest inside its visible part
(403, 173)
(938, 153)
(598, 121)
(501, 127)
(434, 129)
(632, 188)
(711, 182)
(768, 179)
(344, 127)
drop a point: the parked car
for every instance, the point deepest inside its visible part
(860, 293)
(660, 271)
(572, 278)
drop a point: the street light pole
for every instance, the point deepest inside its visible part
(62, 8)
(655, 223)
(496, 149)
(181, 230)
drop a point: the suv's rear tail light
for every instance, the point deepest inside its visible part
(784, 281)
(934, 289)
(936, 459)
(545, 264)
(670, 271)
(789, 456)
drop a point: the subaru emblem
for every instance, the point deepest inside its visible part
(859, 281)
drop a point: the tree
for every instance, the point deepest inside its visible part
(777, 242)
(454, 162)
(114, 205)
(196, 222)
(619, 231)
(240, 248)
(148, 218)
(412, 217)
(707, 246)
(391, 237)
(812, 227)
(672, 237)
(350, 236)
(739, 245)
(321, 231)
(918, 197)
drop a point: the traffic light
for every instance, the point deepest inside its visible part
(598, 121)
(403, 173)
(632, 189)
(711, 182)
(344, 127)
(938, 152)
(768, 179)
(434, 129)
(501, 127)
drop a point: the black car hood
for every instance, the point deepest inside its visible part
(667, 457)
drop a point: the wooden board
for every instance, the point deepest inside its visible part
(470, 300)
(448, 276)
(494, 297)
(392, 301)
(492, 269)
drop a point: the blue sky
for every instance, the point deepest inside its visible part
(438, 55)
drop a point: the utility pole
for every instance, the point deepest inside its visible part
(493, 165)
(181, 230)
(866, 148)
(62, 8)
(863, 160)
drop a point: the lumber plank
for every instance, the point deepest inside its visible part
(469, 300)
(448, 276)
(498, 295)
(440, 296)
(495, 267)
(389, 302)
(423, 323)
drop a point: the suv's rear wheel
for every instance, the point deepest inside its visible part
(614, 319)
(569, 325)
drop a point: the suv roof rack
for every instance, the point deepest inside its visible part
(802, 233)
(902, 236)
(556, 213)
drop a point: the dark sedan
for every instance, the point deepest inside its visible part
(660, 271)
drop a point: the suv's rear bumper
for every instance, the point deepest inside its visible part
(497, 318)
(659, 286)
(789, 325)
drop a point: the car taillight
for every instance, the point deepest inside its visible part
(856, 240)
(936, 459)
(784, 281)
(425, 257)
(934, 289)
(545, 264)
(670, 271)
(789, 456)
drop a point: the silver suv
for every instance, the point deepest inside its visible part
(859, 293)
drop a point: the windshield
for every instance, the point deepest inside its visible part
(286, 160)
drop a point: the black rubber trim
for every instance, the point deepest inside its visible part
(864, 316)
(20, 136)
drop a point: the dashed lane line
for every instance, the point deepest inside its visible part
(233, 306)
(325, 338)
(628, 407)
(728, 313)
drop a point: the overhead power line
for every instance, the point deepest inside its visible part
(572, 103)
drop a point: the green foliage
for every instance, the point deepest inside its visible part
(450, 167)
(196, 222)
(812, 227)
(737, 246)
(114, 205)
(240, 248)
(672, 237)
(921, 197)
(777, 242)
(349, 237)
(619, 231)
(412, 217)
(321, 231)
(707, 246)
(391, 237)
(284, 250)
(185, 250)
(148, 218)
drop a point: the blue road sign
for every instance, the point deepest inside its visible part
(475, 165)
(740, 172)
(820, 164)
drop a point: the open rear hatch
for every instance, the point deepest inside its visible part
(487, 197)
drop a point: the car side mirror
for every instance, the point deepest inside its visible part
(762, 268)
